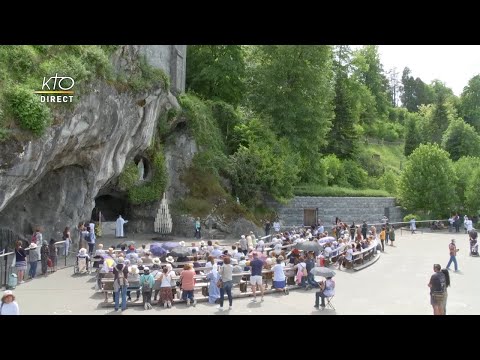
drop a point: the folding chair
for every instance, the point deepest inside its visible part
(329, 302)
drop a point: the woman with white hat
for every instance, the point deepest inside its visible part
(133, 279)
(8, 304)
(32, 260)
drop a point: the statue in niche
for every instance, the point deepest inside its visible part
(141, 170)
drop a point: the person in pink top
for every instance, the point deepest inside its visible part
(188, 284)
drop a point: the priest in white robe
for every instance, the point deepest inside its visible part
(119, 227)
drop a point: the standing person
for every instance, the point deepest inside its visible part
(198, 228)
(166, 295)
(256, 266)
(451, 222)
(387, 232)
(187, 279)
(147, 282)
(119, 227)
(226, 271)
(364, 229)
(447, 284)
(413, 225)
(392, 235)
(37, 238)
(276, 226)
(32, 260)
(91, 240)
(382, 238)
(20, 261)
(44, 254)
(453, 255)
(8, 305)
(352, 230)
(213, 291)
(310, 262)
(120, 283)
(437, 290)
(279, 278)
(52, 254)
(457, 223)
(267, 227)
(68, 240)
(243, 247)
(327, 289)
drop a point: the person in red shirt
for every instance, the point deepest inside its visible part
(188, 284)
(453, 255)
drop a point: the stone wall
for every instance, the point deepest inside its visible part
(348, 209)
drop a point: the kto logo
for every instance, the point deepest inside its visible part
(57, 88)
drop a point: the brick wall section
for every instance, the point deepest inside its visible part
(358, 209)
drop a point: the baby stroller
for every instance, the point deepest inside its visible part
(473, 247)
(81, 264)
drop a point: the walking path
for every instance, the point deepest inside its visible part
(396, 284)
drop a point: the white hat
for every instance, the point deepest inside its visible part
(133, 269)
(120, 260)
(170, 259)
(82, 251)
(7, 293)
(181, 243)
(156, 261)
(32, 246)
(146, 268)
(243, 236)
(202, 243)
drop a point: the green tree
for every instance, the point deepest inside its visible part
(343, 136)
(461, 139)
(412, 135)
(428, 181)
(439, 121)
(414, 92)
(472, 200)
(470, 102)
(463, 171)
(216, 72)
(369, 71)
(291, 87)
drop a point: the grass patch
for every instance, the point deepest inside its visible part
(388, 156)
(333, 191)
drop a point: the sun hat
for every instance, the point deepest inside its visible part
(133, 269)
(156, 261)
(170, 259)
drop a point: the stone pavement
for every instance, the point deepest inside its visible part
(396, 284)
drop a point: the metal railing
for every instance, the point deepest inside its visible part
(63, 261)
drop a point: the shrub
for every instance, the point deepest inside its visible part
(409, 217)
(26, 108)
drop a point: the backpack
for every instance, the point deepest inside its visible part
(121, 277)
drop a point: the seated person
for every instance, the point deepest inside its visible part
(327, 289)
(147, 258)
(99, 250)
(82, 254)
(216, 252)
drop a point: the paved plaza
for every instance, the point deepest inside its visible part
(395, 285)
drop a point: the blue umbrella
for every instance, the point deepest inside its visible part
(169, 245)
(157, 250)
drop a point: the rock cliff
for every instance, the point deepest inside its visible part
(52, 181)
